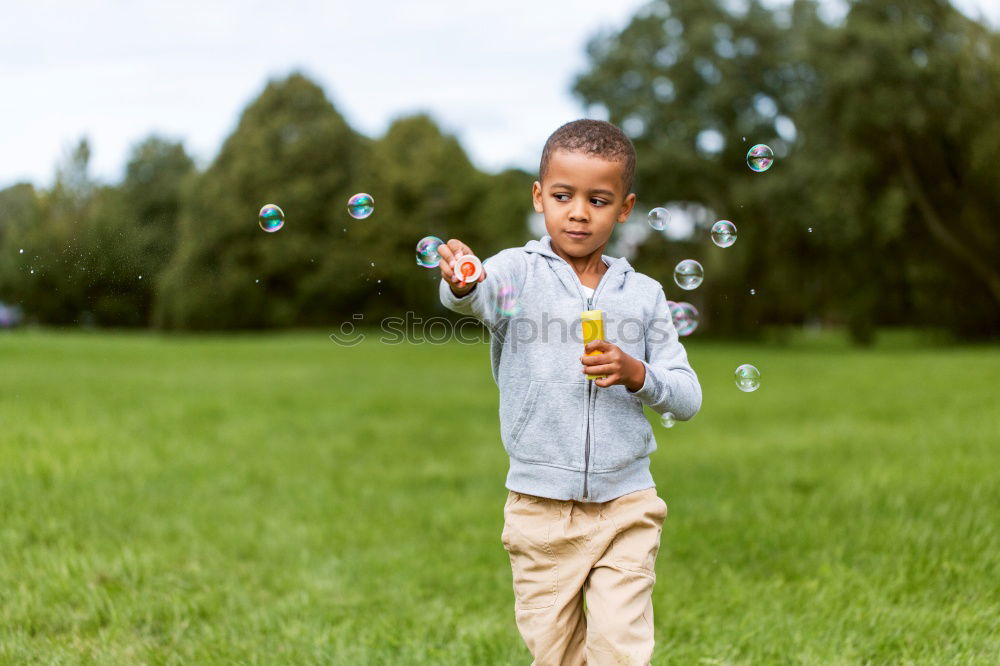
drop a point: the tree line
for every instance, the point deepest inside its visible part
(176, 248)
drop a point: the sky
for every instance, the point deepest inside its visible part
(497, 75)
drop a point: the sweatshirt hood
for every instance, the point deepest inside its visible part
(543, 246)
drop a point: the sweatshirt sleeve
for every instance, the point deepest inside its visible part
(504, 270)
(671, 384)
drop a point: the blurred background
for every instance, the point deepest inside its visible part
(142, 143)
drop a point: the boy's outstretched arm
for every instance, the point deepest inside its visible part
(479, 299)
(670, 384)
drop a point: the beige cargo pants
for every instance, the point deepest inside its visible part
(562, 551)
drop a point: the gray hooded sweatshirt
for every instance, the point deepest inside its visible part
(568, 438)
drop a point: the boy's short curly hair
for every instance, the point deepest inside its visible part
(592, 137)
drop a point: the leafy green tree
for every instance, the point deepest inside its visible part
(20, 211)
(90, 251)
(502, 208)
(877, 209)
(49, 279)
(155, 177)
(133, 231)
(904, 138)
(291, 148)
(425, 185)
(695, 84)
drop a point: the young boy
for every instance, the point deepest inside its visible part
(582, 515)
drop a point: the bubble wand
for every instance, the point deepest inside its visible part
(469, 268)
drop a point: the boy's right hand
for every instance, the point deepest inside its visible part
(450, 252)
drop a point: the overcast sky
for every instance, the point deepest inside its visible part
(496, 74)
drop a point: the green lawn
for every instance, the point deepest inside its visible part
(282, 499)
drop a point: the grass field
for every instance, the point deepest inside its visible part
(282, 499)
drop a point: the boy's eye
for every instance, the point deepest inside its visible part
(561, 196)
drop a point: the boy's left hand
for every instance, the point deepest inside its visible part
(619, 367)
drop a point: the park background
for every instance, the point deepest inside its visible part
(194, 471)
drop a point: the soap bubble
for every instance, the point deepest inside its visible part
(271, 218)
(723, 233)
(361, 205)
(427, 251)
(688, 274)
(760, 157)
(667, 420)
(658, 218)
(684, 316)
(506, 303)
(747, 378)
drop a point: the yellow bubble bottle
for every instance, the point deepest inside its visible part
(593, 329)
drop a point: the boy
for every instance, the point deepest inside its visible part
(582, 515)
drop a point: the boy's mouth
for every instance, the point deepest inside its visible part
(577, 234)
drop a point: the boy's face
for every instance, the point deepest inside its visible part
(582, 193)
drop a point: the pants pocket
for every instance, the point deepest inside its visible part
(511, 498)
(526, 538)
(638, 518)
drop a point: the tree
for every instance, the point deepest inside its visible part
(885, 134)
(133, 233)
(292, 148)
(49, 282)
(695, 84)
(905, 132)
(20, 212)
(426, 186)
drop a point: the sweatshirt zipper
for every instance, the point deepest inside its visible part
(586, 443)
(590, 382)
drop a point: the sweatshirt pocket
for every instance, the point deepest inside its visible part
(549, 427)
(622, 433)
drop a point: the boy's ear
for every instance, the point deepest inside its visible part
(536, 196)
(627, 206)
